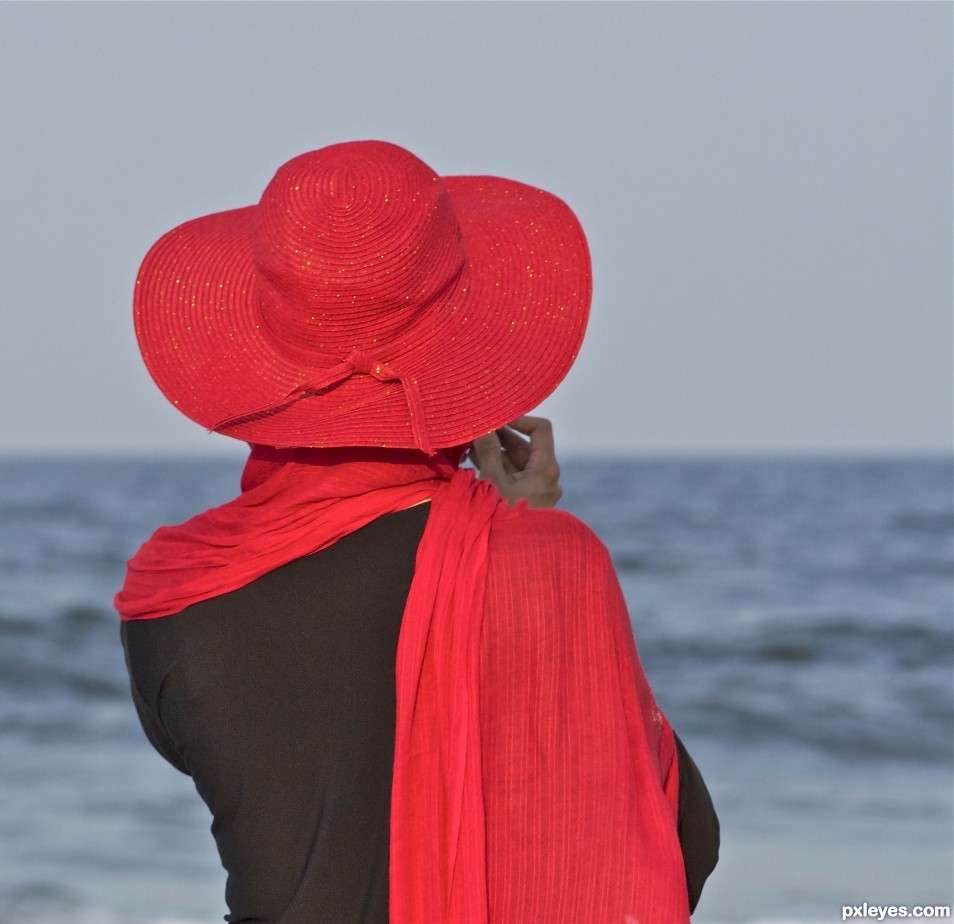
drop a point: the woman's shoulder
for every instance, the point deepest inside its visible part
(522, 535)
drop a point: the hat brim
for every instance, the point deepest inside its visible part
(504, 339)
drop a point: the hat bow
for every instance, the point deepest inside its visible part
(358, 362)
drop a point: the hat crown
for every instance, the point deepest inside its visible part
(353, 242)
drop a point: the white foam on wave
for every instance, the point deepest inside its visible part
(807, 916)
(94, 916)
(812, 920)
(775, 921)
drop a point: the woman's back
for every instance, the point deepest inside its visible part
(278, 698)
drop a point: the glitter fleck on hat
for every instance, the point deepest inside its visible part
(366, 301)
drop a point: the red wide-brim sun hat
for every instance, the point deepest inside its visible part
(366, 301)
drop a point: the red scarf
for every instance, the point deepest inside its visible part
(295, 502)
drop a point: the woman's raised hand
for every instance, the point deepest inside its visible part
(520, 467)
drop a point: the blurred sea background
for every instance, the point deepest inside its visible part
(793, 614)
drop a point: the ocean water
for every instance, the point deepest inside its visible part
(793, 615)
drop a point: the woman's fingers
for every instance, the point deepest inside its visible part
(539, 429)
(486, 455)
(521, 468)
(515, 447)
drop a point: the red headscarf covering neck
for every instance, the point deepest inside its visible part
(295, 502)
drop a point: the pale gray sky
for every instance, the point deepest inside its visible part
(766, 188)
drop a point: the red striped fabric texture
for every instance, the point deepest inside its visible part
(579, 767)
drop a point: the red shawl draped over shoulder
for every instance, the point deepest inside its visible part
(535, 779)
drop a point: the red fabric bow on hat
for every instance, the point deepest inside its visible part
(357, 363)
